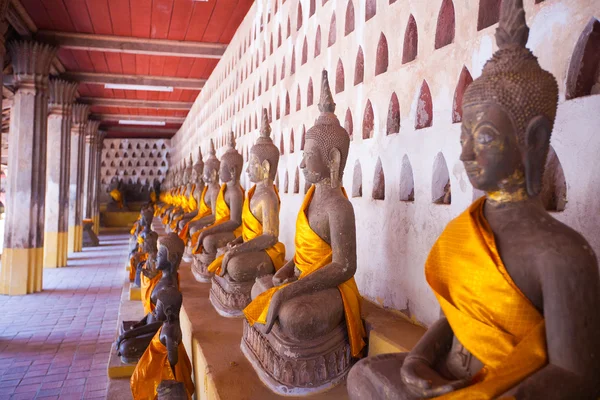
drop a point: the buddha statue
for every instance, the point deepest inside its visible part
(147, 262)
(117, 196)
(173, 196)
(171, 390)
(136, 335)
(208, 199)
(187, 198)
(228, 215)
(257, 251)
(303, 327)
(195, 196)
(164, 358)
(519, 291)
(136, 253)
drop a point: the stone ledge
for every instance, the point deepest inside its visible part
(389, 332)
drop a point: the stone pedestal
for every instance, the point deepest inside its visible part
(200, 263)
(80, 114)
(228, 297)
(25, 202)
(296, 368)
(89, 238)
(62, 94)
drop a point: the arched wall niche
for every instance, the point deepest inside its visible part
(349, 25)
(297, 181)
(292, 145)
(309, 93)
(303, 138)
(583, 76)
(444, 33)
(332, 31)
(411, 41)
(286, 182)
(464, 80)
(424, 113)
(339, 77)
(368, 126)
(357, 180)
(370, 9)
(298, 99)
(407, 182)
(393, 117)
(489, 13)
(381, 61)
(378, 182)
(359, 67)
(440, 181)
(318, 42)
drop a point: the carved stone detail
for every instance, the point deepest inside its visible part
(200, 263)
(291, 367)
(31, 62)
(228, 297)
(62, 95)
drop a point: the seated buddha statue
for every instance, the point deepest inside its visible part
(257, 251)
(147, 257)
(136, 335)
(303, 326)
(194, 195)
(188, 202)
(519, 290)
(164, 358)
(208, 199)
(179, 200)
(173, 196)
(228, 215)
(136, 253)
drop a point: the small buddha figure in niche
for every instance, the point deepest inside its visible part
(257, 251)
(303, 326)
(188, 202)
(165, 358)
(519, 291)
(136, 335)
(136, 253)
(195, 198)
(228, 214)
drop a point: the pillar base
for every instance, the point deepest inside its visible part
(75, 239)
(21, 271)
(55, 249)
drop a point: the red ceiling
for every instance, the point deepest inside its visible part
(212, 21)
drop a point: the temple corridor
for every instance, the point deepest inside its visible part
(56, 343)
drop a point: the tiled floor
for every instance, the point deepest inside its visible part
(55, 344)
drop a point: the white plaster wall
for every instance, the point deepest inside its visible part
(394, 237)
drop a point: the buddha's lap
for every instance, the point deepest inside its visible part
(311, 315)
(136, 345)
(248, 266)
(378, 378)
(212, 242)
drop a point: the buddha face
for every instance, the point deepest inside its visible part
(490, 151)
(194, 176)
(256, 170)
(162, 259)
(313, 164)
(210, 175)
(226, 172)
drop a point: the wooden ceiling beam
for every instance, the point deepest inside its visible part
(131, 45)
(119, 117)
(134, 103)
(101, 79)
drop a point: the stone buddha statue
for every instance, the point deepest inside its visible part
(186, 195)
(136, 240)
(257, 251)
(147, 260)
(174, 196)
(180, 201)
(519, 291)
(164, 358)
(228, 214)
(303, 326)
(136, 335)
(195, 197)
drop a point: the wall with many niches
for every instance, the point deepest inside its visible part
(136, 162)
(398, 69)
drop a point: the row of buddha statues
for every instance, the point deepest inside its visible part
(519, 291)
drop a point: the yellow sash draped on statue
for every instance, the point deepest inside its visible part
(192, 203)
(222, 214)
(252, 228)
(203, 211)
(147, 285)
(188, 204)
(117, 196)
(313, 253)
(154, 367)
(135, 225)
(488, 313)
(133, 263)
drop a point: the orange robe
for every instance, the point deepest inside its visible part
(488, 313)
(222, 214)
(154, 367)
(146, 287)
(312, 254)
(203, 211)
(188, 205)
(252, 228)
(133, 265)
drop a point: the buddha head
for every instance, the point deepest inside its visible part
(508, 115)
(150, 245)
(147, 216)
(188, 172)
(170, 251)
(198, 169)
(211, 166)
(232, 162)
(327, 143)
(264, 155)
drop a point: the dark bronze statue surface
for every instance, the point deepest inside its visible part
(135, 336)
(508, 115)
(210, 177)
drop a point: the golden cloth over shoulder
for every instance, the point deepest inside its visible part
(203, 211)
(133, 263)
(146, 287)
(313, 253)
(488, 313)
(189, 204)
(154, 367)
(252, 228)
(222, 214)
